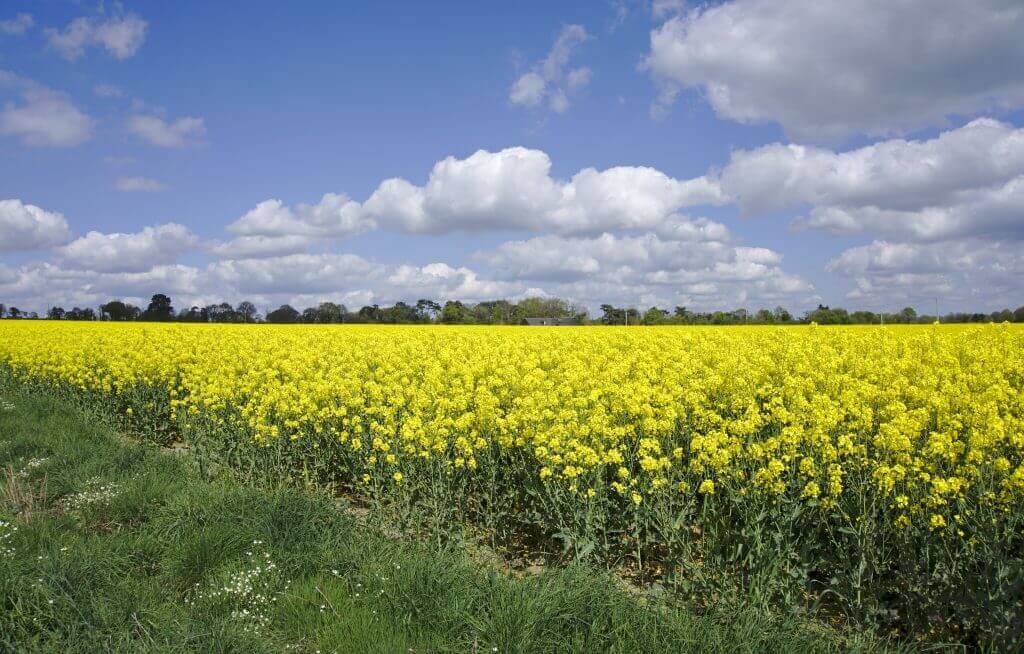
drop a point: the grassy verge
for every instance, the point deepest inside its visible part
(112, 545)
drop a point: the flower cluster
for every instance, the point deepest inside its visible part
(919, 417)
(95, 493)
(6, 533)
(248, 594)
(30, 467)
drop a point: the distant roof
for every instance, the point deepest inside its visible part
(551, 322)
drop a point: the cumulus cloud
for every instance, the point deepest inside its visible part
(128, 253)
(513, 189)
(967, 181)
(335, 215)
(686, 261)
(39, 285)
(258, 247)
(551, 81)
(492, 191)
(44, 117)
(18, 25)
(729, 277)
(661, 9)
(27, 227)
(139, 184)
(324, 275)
(828, 70)
(961, 273)
(120, 36)
(167, 134)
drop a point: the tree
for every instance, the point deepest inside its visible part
(399, 313)
(222, 312)
(159, 309)
(14, 312)
(908, 315)
(864, 317)
(655, 316)
(611, 315)
(370, 313)
(118, 310)
(310, 315)
(427, 310)
(247, 311)
(81, 314)
(193, 314)
(331, 313)
(55, 313)
(543, 307)
(283, 314)
(454, 312)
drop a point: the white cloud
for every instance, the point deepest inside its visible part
(528, 90)
(492, 191)
(960, 274)
(44, 118)
(647, 269)
(578, 78)
(687, 261)
(18, 25)
(27, 227)
(173, 134)
(965, 182)
(258, 247)
(307, 277)
(827, 70)
(442, 280)
(295, 273)
(120, 36)
(128, 253)
(513, 189)
(550, 79)
(996, 212)
(334, 216)
(664, 8)
(143, 184)
(37, 286)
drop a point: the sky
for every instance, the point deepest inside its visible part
(741, 154)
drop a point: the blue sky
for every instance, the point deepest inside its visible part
(738, 154)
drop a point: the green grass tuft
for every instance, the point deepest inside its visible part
(129, 549)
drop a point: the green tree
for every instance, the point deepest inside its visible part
(159, 309)
(454, 312)
(118, 310)
(283, 314)
(331, 313)
(247, 312)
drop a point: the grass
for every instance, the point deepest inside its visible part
(107, 544)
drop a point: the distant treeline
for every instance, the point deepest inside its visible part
(494, 312)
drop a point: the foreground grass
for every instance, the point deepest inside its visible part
(111, 545)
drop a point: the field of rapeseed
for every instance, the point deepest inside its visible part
(871, 473)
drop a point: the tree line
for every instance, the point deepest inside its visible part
(492, 312)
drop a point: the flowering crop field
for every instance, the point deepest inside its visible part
(878, 471)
